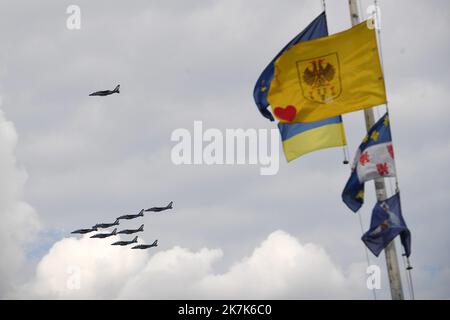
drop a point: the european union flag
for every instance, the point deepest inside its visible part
(387, 223)
(316, 29)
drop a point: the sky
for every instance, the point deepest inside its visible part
(68, 161)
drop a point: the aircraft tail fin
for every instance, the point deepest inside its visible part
(141, 228)
(155, 243)
(114, 232)
(135, 239)
(117, 89)
(170, 205)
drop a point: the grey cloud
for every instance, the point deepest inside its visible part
(93, 159)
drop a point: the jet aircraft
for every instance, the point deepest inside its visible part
(83, 231)
(132, 216)
(131, 231)
(124, 243)
(106, 225)
(106, 92)
(105, 235)
(146, 246)
(158, 209)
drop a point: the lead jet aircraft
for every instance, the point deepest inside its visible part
(83, 231)
(158, 209)
(131, 231)
(132, 216)
(106, 92)
(105, 235)
(146, 246)
(124, 243)
(106, 225)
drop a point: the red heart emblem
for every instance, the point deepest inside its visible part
(287, 113)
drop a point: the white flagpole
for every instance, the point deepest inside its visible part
(380, 189)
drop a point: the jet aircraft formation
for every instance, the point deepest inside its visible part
(124, 231)
(124, 217)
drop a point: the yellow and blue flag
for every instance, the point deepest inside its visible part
(301, 138)
(326, 77)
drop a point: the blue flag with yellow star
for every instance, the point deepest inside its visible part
(387, 223)
(316, 29)
(374, 159)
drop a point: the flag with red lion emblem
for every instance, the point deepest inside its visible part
(374, 159)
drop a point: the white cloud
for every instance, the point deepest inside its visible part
(280, 267)
(98, 269)
(19, 222)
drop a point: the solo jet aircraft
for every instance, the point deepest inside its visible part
(106, 92)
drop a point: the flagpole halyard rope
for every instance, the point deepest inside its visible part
(377, 108)
(408, 267)
(366, 252)
(345, 150)
(407, 277)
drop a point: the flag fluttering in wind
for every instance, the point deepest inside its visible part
(322, 78)
(298, 138)
(374, 159)
(301, 138)
(316, 29)
(387, 223)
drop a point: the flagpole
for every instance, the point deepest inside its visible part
(380, 190)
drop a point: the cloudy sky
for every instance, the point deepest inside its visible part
(68, 160)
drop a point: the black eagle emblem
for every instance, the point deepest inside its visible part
(319, 76)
